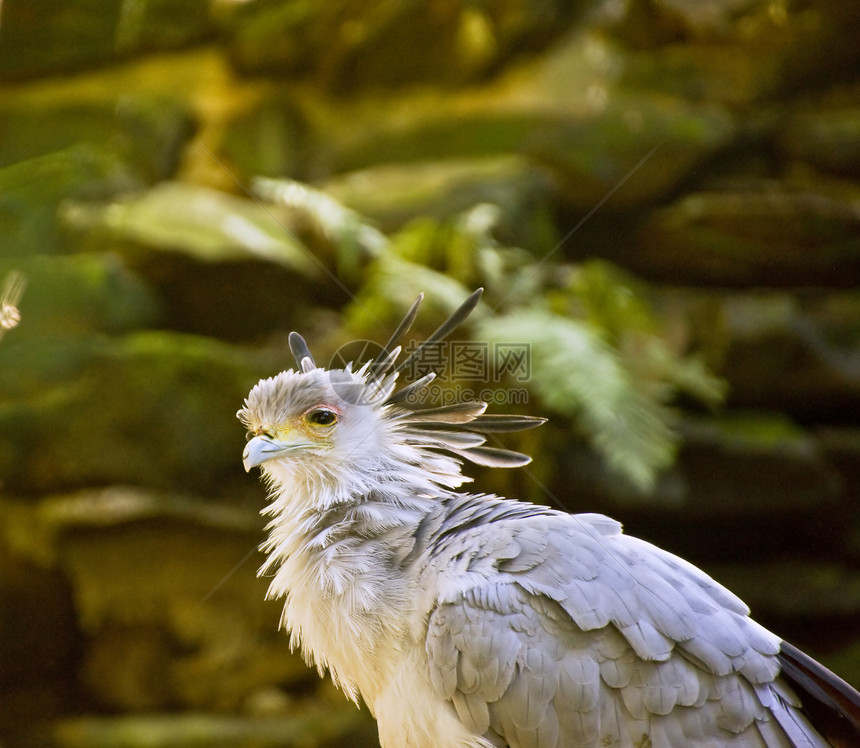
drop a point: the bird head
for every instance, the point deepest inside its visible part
(351, 431)
(312, 421)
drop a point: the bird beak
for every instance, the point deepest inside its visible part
(263, 448)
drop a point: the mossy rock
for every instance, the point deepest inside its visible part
(206, 224)
(311, 727)
(151, 408)
(784, 350)
(31, 192)
(737, 52)
(41, 38)
(392, 194)
(754, 463)
(163, 583)
(66, 296)
(636, 146)
(370, 44)
(766, 233)
(145, 131)
(826, 136)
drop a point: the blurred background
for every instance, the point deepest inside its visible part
(660, 197)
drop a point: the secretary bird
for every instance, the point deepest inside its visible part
(466, 620)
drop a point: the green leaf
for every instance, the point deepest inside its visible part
(204, 223)
(576, 373)
(351, 234)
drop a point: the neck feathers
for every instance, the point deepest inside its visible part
(339, 566)
(322, 526)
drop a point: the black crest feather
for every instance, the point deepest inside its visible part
(300, 351)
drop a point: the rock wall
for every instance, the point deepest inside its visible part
(708, 152)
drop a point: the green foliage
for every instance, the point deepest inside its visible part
(615, 305)
(204, 223)
(445, 260)
(574, 372)
(349, 233)
(31, 191)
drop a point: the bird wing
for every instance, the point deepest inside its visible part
(558, 630)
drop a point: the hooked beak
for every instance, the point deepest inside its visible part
(263, 448)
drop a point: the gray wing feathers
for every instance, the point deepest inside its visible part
(569, 633)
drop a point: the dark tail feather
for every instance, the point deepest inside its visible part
(470, 416)
(464, 413)
(832, 705)
(493, 457)
(489, 423)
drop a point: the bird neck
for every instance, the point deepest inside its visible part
(339, 563)
(330, 535)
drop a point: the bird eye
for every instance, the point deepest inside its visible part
(321, 417)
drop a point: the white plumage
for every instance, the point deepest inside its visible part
(468, 620)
